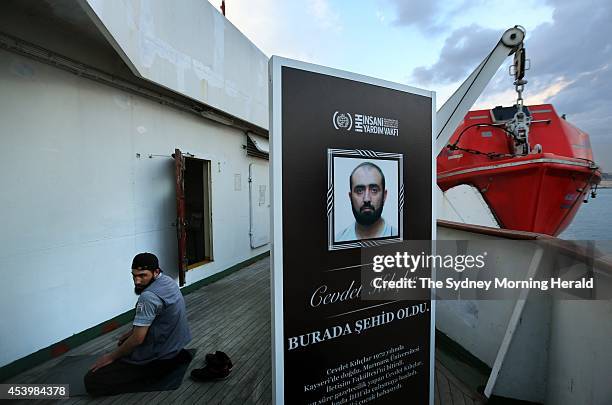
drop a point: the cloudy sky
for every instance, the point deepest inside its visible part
(435, 44)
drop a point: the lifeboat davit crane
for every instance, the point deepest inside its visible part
(532, 168)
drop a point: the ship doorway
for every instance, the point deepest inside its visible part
(194, 216)
(197, 212)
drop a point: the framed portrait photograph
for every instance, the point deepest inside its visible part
(365, 198)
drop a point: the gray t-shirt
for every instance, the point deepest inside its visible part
(161, 307)
(148, 307)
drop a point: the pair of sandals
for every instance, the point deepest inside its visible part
(218, 367)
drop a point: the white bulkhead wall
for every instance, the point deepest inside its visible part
(191, 49)
(77, 203)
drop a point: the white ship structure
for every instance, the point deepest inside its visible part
(127, 124)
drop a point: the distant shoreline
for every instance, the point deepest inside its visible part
(605, 184)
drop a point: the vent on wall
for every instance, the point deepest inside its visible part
(257, 146)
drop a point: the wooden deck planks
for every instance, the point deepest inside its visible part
(444, 389)
(436, 390)
(232, 315)
(459, 393)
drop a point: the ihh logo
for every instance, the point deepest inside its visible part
(342, 121)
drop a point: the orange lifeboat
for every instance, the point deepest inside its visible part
(538, 186)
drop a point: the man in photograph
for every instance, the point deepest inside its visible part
(367, 195)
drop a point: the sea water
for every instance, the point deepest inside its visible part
(593, 220)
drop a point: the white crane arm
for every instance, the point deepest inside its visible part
(454, 109)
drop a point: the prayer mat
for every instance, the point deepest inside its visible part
(72, 369)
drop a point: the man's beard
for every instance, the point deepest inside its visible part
(368, 217)
(139, 290)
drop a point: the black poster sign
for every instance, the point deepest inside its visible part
(351, 167)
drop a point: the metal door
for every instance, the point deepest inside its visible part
(181, 223)
(259, 205)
